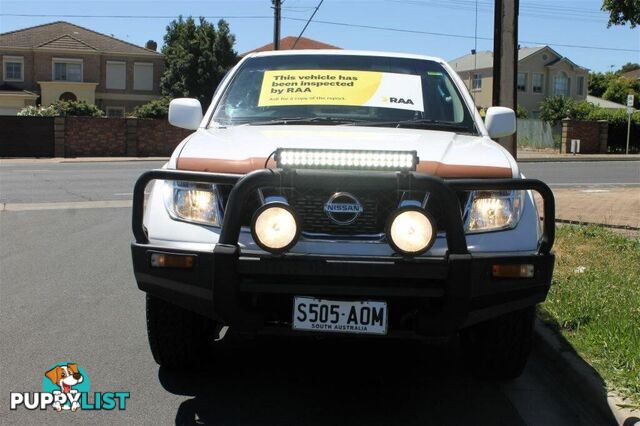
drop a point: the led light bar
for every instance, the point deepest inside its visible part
(293, 158)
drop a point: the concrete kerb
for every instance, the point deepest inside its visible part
(582, 376)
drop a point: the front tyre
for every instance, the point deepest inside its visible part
(178, 338)
(500, 347)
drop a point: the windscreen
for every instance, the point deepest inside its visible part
(342, 89)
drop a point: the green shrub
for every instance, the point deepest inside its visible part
(613, 116)
(63, 108)
(39, 111)
(78, 109)
(158, 108)
(521, 112)
(555, 108)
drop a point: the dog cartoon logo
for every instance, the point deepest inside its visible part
(66, 387)
(65, 377)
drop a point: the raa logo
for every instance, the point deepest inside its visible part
(393, 100)
(65, 387)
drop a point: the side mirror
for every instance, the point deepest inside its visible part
(500, 122)
(185, 113)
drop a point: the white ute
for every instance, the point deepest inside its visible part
(342, 192)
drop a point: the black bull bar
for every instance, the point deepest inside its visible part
(225, 275)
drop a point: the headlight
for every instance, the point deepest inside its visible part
(494, 210)
(275, 227)
(192, 202)
(411, 231)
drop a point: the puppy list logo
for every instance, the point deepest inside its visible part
(65, 387)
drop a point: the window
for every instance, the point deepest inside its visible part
(561, 84)
(580, 84)
(142, 76)
(13, 68)
(67, 69)
(537, 83)
(116, 75)
(522, 82)
(476, 83)
(115, 112)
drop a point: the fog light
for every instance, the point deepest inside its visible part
(275, 227)
(161, 260)
(411, 231)
(515, 270)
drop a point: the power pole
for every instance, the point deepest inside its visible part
(277, 6)
(505, 61)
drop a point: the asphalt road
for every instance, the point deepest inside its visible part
(37, 182)
(67, 293)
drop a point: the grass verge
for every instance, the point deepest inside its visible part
(595, 302)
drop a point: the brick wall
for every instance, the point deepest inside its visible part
(592, 136)
(157, 137)
(95, 137)
(114, 137)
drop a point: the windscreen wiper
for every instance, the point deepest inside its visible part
(303, 120)
(421, 123)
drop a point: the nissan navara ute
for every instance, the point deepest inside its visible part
(342, 192)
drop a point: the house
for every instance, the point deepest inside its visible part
(65, 61)
(286, 43)
(542, 72)
(632, 75)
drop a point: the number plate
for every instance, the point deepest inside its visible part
(339, 316)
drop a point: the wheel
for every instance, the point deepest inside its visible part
(178, 338)
(500, 347)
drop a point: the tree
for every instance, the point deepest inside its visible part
(619, 88)
(629, 66)
(599, 82)
(622, 11)
(555, 108)
(197, 56)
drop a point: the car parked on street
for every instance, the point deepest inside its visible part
(342, 192)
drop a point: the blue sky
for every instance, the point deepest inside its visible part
(541, 21)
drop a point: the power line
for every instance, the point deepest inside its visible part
(307, 24)
(333, 23)
(526, 10)
(439, 34)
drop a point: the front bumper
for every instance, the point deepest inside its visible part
(251, 291)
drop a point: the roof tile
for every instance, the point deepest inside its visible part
(65, 35)
(286, 43)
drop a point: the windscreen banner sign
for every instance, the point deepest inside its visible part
(341, 87)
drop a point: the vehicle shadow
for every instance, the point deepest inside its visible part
(282, 382)
(564, 361)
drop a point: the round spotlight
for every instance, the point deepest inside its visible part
(274, 227)
(411, 231)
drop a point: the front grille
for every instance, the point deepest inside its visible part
(309, 203)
